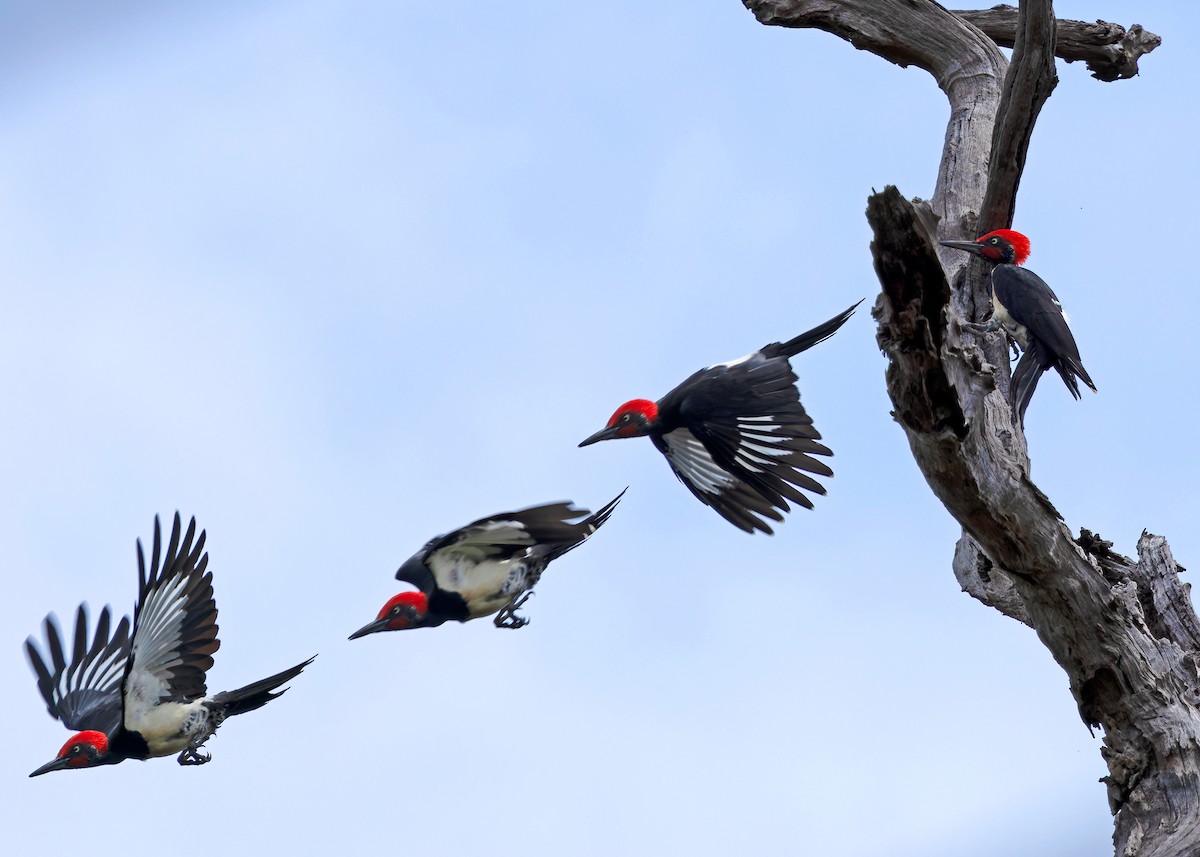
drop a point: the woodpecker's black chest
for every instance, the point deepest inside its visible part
(448, 606)
(130, 745)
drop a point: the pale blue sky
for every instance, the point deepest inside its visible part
(337, 277)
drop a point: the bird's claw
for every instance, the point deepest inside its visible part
(991, 326)
(508, 618)
(194, 756)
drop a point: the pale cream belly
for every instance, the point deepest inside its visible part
(171, 727)
(1015, 329)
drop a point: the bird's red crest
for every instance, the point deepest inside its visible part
(97, 739)
(415, 600)
(1019, 242)
(645, 407)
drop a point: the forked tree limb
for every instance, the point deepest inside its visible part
(1125, 632)
(1110, 51)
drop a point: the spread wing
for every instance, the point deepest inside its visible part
(746, 444)
(174, 625)
(84, 694)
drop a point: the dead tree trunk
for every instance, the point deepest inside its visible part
(1126, 633)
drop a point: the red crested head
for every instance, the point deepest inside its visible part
(1004, 245)
(404, 605)
(633, 419)
(406, 610)
(73, 749)
(83, 750)
(643, 408)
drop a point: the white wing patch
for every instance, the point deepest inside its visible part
(105, 673)
(756, 445)
(730, 363)
(480, 541)
(155, 647)
(693, 461)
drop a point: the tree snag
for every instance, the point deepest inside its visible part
(1125, 632)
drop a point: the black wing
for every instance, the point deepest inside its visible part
(510, 534)
(174, 625)
(499, 537)
(744, 442)
(475, 561)
(415, 571)
(1032, 303)
(86, 693)
(472, 567)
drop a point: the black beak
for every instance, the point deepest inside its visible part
(606, 433)
(56, 765)
(370, 628)
(969, 246)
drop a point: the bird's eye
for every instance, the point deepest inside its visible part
(994, 241)
(76, 750)
(396, 610)
(625, 418)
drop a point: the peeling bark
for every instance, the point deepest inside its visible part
(1125, 632)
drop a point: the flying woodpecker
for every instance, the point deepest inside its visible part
(736, 434)
(142, 694)
(487, 566)
(1030, 313)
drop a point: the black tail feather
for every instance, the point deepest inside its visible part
(586, 527)
(1025, 380)
(818, 334)
(1074, 369)
(258, 694)
(1029, 371)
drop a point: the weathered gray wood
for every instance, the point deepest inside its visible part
(1125, 633)
(1110, 51)
(1029, 81)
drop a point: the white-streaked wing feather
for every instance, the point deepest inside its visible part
(692, 461)
(175, 629)
(156, 645)
(85, 693)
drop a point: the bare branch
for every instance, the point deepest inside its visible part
(1030, 80)
(1111, 52)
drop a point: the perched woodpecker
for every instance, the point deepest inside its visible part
(1030, 313)
(736, 434)
(487, 566)
(141, 695)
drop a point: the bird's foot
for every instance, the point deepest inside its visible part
(195, 756)
(508, 618)
(992, 325)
